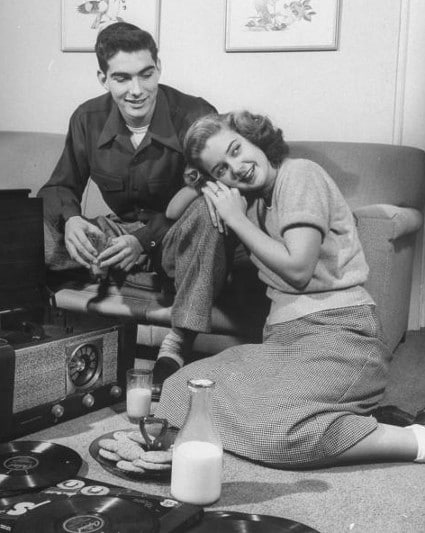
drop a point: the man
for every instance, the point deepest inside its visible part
(129, 141)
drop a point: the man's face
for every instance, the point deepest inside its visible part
(132, 79)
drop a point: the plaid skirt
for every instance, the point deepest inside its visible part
(300, 397)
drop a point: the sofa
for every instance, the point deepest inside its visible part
(383, 184)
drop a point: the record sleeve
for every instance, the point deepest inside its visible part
(92, 514)
(173, 516)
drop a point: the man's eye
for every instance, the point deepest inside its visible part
(119, 79)
(147, 75)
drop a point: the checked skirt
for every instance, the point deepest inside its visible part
(301, 396)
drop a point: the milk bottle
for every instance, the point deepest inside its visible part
(198, 453)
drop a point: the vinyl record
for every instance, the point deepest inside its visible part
(32, 465)
(91, 514)
(224, 522)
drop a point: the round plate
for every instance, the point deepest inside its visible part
(226, 522)
(31, 465)
(110, 466)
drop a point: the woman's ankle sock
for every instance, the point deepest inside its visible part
(419, 432)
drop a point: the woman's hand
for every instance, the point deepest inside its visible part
(228, 202)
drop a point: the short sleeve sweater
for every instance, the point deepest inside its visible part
(304, 194)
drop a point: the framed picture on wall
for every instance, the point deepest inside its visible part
(82, 20)
(281, 25)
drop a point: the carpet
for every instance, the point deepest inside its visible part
(373, 498)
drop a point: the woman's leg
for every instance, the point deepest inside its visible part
(385, 444)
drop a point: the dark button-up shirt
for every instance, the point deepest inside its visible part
(136, 184)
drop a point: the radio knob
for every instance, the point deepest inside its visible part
(88, 401)
(57, 410)
(115, 391)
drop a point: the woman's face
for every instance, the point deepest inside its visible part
(233, 160)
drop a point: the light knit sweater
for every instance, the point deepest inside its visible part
(305, 194)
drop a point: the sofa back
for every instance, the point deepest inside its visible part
(369, 173)
(366, 173)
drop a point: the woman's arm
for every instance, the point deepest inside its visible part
(180, 202)
(294, 260)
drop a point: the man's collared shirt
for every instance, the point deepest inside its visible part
(137, 184)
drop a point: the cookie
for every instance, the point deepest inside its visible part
(157, 457)
(109, 444)
(118, 435)
(140, 463)
(128, 450)
(128, 466)
(111, 456)
(136, 436)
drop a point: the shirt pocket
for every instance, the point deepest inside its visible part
(108, 182)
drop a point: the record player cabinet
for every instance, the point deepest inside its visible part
(54, 365)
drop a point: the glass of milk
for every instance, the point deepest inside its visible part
(139, 393)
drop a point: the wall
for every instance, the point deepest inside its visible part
(346, 94)
(371, 89)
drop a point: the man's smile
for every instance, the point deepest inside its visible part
(137, 102)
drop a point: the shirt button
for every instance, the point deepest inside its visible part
(152, 244)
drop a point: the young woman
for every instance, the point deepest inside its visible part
(303, 397)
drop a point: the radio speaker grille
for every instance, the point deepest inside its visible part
(42, 370)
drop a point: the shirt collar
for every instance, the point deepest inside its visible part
(161, 127)
(113, 127)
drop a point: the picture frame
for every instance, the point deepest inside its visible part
(83, 19)
(281, 25)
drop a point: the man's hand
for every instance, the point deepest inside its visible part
(123, 253)
(77, 240)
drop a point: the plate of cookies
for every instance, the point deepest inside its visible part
(126, 454)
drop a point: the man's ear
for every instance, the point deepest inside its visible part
(158, 65)
(101, 76)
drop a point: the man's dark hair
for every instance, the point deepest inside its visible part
(122, 37)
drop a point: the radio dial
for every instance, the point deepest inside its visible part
(88, 400)
(115, 391)
(84, 365)
(57, 410)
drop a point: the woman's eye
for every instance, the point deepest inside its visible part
(235, 150)
(220, 172)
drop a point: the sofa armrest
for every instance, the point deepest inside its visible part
(404, 220)
(388, 236)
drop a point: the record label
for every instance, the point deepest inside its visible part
(19, 464)
(88, 514)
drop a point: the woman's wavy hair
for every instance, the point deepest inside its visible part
(257, 129)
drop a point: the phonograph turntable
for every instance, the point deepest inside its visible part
(53, 367)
